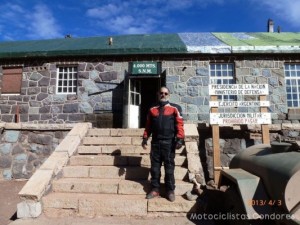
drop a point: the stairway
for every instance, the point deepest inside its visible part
(109, 176)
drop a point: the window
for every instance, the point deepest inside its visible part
(222, 73)
(66, 80)
(292, 80)
(11, 80)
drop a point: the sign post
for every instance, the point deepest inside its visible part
(263, 117)
(264, 127)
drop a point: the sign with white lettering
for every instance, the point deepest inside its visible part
(238, 89)
(240, 118)
(239, 104)
(145, 68)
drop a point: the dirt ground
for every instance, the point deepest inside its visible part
(9, 199)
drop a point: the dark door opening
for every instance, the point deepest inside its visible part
(149, 89)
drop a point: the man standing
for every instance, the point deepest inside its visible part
(165, 123)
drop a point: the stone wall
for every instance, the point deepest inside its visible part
(188, 81)
(24, 147)
(101, 88)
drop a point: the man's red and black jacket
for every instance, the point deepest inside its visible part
(164, 121)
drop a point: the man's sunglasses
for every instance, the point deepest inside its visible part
(164, 93)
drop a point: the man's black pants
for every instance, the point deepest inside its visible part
(163, 151)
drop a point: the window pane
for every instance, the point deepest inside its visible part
(224, 74)
(66, 82)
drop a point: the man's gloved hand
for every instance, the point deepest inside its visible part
(144, 143)
(179, 143)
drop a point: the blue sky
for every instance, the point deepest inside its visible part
(48, 19)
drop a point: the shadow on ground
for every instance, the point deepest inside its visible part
(9, 199)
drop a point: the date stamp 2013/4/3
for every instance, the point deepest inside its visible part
(261, 202)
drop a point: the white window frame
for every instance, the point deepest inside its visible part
(66, 80)
(292, 84)
(222, 73)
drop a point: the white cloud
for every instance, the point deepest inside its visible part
(140, 16)
(104, 12)
(43, 24)
(22, 22)
(287, 10)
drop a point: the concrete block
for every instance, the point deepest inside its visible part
(142, 187)
(180, 173)
(76, 171)
(30, 126)
(138, 141)
(108, 172)
(113, 205)
(86, 185)
(13, 126)
(144, 160)
(55, 162)
(59, 213)
(179, 205)
(191, 130)
(89, 149)
(29, 209)
(36, 185)
(107, 140)
(61, 200)
(69, 144)
(194, 163)
(127, 132)
(276, 127)
(290, 126)
(192, 147)
(98, 132)
(138, 187)
(124, 150)
(80, 129)
(98, 160)
(139, 160)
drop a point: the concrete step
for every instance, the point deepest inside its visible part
(91, 205)
(118, 149)
(114, 172)
(108, 160)
(107, 141)
(98, 132)
(112, 140)
(86, 185)
(113, 186)
(142, 187)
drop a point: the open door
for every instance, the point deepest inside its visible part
(141, 85)
(134, 103)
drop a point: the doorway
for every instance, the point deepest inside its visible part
(141, 94)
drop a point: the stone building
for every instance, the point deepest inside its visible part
(112, 81)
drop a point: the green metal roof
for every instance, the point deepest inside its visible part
(181, 43)
(127, 44)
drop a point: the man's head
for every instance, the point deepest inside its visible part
(163, 94)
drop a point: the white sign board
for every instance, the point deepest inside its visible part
(238, 89)
(239, 104)
(240, 118)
